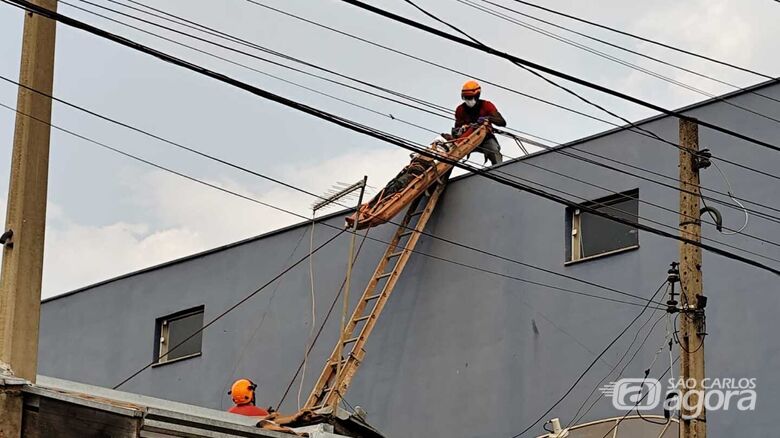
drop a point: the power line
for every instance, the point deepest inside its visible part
(368, 131)
(647, 40)
(577, 417)
(252, 45)
(409, 123)
(118, 151)
(290, 186)
(231, 308)
(251, 199)
(213, 32)
(555, 143)
(542, 69)
(590, 366)
(633, 52)
(612, 58)
(223, 162)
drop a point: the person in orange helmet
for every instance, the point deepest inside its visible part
(243, 394)
(476, 110)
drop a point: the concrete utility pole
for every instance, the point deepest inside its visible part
(20, 286)
(692, 327)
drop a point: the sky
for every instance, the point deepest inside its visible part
(109, 215)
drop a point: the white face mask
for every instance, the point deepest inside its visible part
(470, 102)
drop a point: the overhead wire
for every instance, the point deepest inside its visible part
(366, 130)
(340, 231)
(590, 366)
(390, 115)
(647, 71)
(645, 39)
(539, 71)
(298, 189)
(631, 51)
(617, 423)
(232, 38)
(261, 320)
(287, 185)
(431, 109)
(577, 417)
(554, 143)
(228, 310)
(322, 324)
(416, 251)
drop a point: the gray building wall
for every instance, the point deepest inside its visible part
(458, 349)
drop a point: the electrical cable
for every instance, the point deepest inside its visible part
(224, 35)
(617, 423)
(233, 38)
(312, 90)
(399, 52)
(576, 418)
(245, 344)
(120, 152)
(229, 309)
(366, 130)
(432, 110)
(590, 366)
(322, 324)
(445, 240)
(612, 58)
(647, 40)
(731, 195)
(538, 69)
(633, 52)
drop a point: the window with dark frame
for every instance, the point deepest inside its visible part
(173, 330)
(591, 235)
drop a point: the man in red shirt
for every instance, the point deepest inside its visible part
(243, 394)
(475, 110)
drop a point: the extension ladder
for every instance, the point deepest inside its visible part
(332, 385)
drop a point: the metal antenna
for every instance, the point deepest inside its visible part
(340, 191)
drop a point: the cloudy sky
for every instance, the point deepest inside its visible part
(109, 215)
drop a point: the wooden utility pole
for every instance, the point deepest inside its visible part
(20, 285)
(692, 327)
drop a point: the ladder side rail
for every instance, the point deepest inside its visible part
(329, 371)
(352, 364)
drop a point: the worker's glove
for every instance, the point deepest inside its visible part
(482, 120)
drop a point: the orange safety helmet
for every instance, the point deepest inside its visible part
(242, 391)
(471, 89)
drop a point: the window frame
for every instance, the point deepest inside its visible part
(574, 227)
(162, 328)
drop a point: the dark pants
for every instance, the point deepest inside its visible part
(492, 150)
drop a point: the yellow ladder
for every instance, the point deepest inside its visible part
(332, 385)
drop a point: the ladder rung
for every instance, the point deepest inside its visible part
(333, 363)
(395, 254)
(314, 408)
(362, 318)
(372, 297)
(379, 277)
(408, 233)
(417, 213)
(349, 341)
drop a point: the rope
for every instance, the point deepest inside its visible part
(313, 310)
